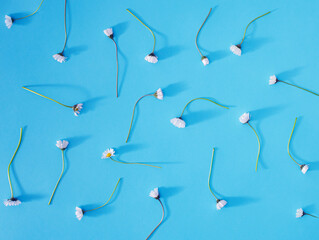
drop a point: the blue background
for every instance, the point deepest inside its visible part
(261, 205)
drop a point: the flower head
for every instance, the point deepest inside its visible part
(272, 80)
(109, 32)
(236, 49)
(159, 94)
(12, 202)
(152, 58)
(205, 60)
(154, 193)
(244, 118)
(108, 153)
(59, 57)
(299, 213)
(178, 122)
(220, 204)
(304, 168)
(62, 144)
(77, 108)
(79, 213)
(8, 21)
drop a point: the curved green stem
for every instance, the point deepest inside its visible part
(288, 148)
(59, 178)
(107, 200)
(310, 215)
(298, 87)
(202, 99)
(31, 13)
(133, 114)
(144, 164)
(210, 173)
(258, 144)
(66, 35)
(11, 162)
(199, 31)
(146, 27)
(46, 97)
(117, 68)
(250, 23)
(163, 214)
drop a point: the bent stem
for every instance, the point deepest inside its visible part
(107, 200)
(288, 148)
(117, 68)
(199, 31)
(66, 35)
(258, 144)
(144, 164)
(298, 87)
(202, 99)
(11, 162)
(133, 114)
(146, 27)
(210, 173)
(31, 13)
(160, 221)
(59, 178)
(46, 97)
(310, 215)
(249, 24)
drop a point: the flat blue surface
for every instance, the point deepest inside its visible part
(261, 205)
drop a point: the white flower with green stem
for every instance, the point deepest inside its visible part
(220, 203)
(204, 59)
(236, 49)
(13, 201)
(79, 212)
(179, 121)
(10, 20)
(76, 108)
(158, 94)
(300, 213)
(303, 167)
(151, 58)
(110, 153)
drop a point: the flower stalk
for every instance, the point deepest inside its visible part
(290, 84)
(258, 144)
(144, 164)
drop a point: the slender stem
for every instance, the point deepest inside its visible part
(107, 200)
(258, 144)
(298, 87)
(146, 27)
(202, 99)
(160, 221)
(46, 97)
(66, 35)
(59, 178)
(250, 23)
(310, 215)
(144, 164)
(133, 114)
(210, 173)
(199, 31)
(288, 148)
(31, 13)
(11, 162)
(117, 68)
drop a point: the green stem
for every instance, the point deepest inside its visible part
(66, 35)
(144, 164)
(163, 214)
(133, 114)
(59, 178)
(11, 162)
(146, 27)
(210, 173)
(107, 200)
(310, 215)
(250, 23)
(31, 13)
(298, 87)
(46, 97)
(258, 144)
(288, 148)
(199, 31)
(202, 99)
(117, 68)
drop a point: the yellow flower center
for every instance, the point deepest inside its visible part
(108, 155)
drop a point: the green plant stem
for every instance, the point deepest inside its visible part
(31, 13)
(107, 200)
(66, 35)
(210, 173)
(59, 178)
(46, 97)
(298, 87)
(288, 148)
(310, 215)
(201, 99)
(133, 114)
(146, 27)
(199, 31)
(144, 164)
(258, 144)
(11, 162)
(163, 214)
(117, 67)
(249, 24)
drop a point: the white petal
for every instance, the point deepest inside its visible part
(244, 118)
(151, 58)
(235, 50)
(205, 61)
(178, 122)
(108, 32)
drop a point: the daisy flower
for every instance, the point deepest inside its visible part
(62, 144)
(108, 153)
(79, 213)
